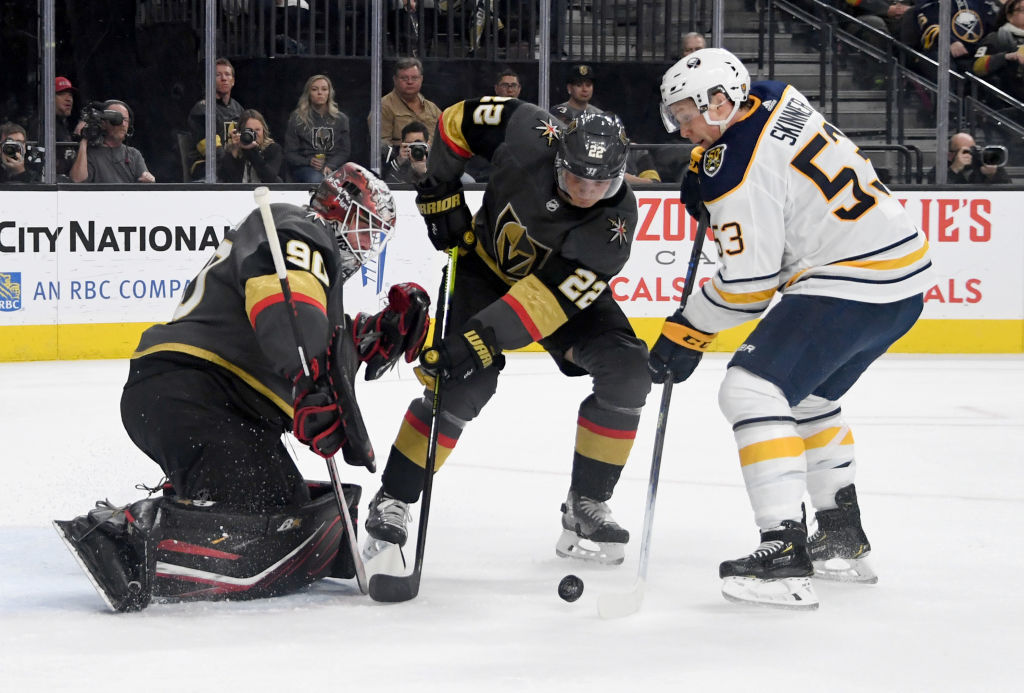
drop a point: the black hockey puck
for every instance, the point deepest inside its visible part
(570, 588)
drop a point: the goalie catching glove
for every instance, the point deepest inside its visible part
(460, 356)
(449, 222)
(317, 419)
(678, 350)
(401, 328)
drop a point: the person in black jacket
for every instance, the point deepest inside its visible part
(254, 156)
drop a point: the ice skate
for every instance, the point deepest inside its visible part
(839, 546)
(388, 519)
(589, 532)
(382, 557)
(777, 574)
(110, 544)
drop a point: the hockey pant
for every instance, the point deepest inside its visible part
(598, 341)
(213, 437)
(781, 394)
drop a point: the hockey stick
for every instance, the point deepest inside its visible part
(402, 588)
(617, 605)
(262, 196)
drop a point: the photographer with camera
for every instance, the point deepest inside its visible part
(970, 164)
(408, 160)
(14, 155)
(254, 157)
(103, 157)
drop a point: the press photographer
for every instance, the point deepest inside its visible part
(253, 155)
(103, 157)
(408, 160)
(969, 164)
(16, 157)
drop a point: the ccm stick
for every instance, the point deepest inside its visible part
(617, 605)
(262, 196)
(402, 588)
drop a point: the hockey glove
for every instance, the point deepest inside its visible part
(401, 328)
(689, 191)
(444, 209)
(678, 350)
(317, 420)
(460, 356)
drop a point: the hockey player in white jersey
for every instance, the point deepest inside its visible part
(797, 211)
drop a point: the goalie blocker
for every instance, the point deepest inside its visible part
(173, 549)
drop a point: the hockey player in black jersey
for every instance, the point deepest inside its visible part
(210, 393)
(555, 226)
(799, 215)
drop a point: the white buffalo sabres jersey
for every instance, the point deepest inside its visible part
(795, 208)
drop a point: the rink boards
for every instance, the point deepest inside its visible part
(83, 272)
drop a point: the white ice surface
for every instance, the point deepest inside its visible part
(941, 485)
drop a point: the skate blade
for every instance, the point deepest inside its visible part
(382, 557)
(63, 528)
(854, 570)
(795, 593)
(605, 553)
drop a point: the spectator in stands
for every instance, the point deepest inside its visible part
(13, 167)
(965, 167)
(317, 140)
(107, 159)
(692, 41)
(580, 86)
(254, 157)
(968, 25)
(64, 101)
(508, 84)
(404, 103)
(409, 158)
(884, 16)
(226, 115)
(1000, 56)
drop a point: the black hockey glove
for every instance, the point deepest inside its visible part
(678, 350)
(317, 420)
(689, 191)
(401, 328)
(444, 209)
(460, 356)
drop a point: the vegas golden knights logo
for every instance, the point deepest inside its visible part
(516, 253)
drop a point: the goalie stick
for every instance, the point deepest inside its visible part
(617, 605)
(402, 588)
(352, 418)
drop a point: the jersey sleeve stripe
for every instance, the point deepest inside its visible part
(262, 292)
(451, 130)
(536, 306)
(746, 297)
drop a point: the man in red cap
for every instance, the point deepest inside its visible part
(64, 101)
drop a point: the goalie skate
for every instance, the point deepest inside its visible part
(839, 546)
(776, 574)
(590, 533)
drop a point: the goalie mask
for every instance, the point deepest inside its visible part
(594, 147)
(699, 76)
(359, 208)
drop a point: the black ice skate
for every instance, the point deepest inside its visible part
(839, 546)
(388, 519)
(110, 543)
(778, 572)
(589, 532)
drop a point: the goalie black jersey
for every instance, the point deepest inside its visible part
(556, 258)
(233, 314)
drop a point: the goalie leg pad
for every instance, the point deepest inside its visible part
(206, 552)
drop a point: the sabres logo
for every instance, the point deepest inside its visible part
(967, 26)
(548, 130)
(713, 159)
(620, 232)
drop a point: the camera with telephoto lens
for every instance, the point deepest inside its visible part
(247, 136)
(13, 148)
(992, 155)
(418, 151)
(93, 115)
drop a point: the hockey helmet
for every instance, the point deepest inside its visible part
(700, 75)
(358, 207)
(593, 146)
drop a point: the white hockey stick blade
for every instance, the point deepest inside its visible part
(620, 604)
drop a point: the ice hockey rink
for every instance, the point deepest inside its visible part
(941, 484)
